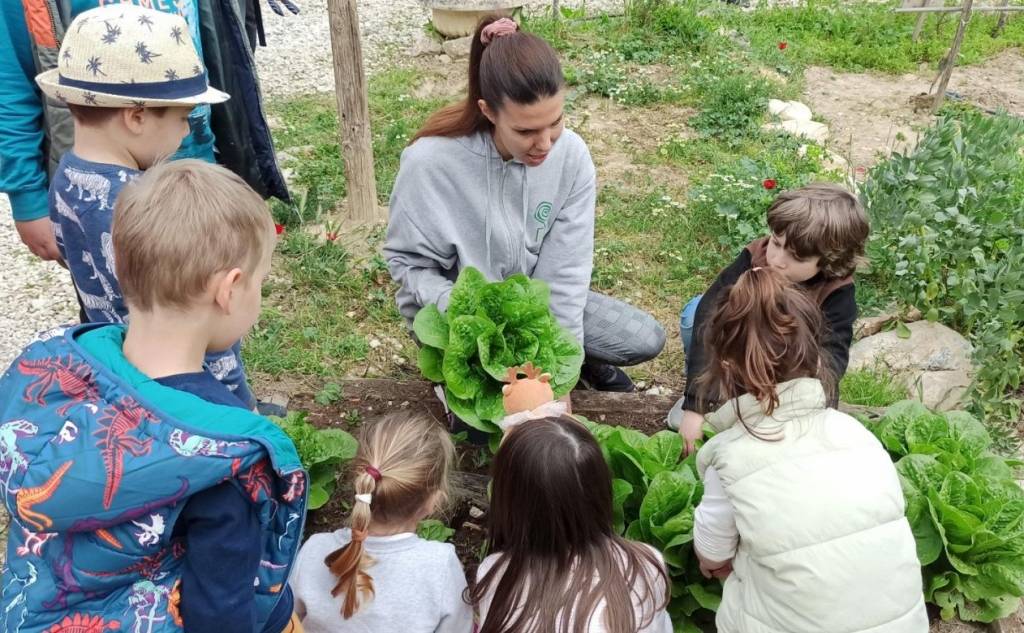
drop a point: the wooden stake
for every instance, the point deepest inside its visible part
(353, 112)
(947, 69)
(556, 13)
(1001, 24)
(920, 21)
(1002, 9)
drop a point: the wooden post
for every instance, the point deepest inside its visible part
(1001, 24)
(920, 21)
(556, 13)
(947, 70)
(353, 112)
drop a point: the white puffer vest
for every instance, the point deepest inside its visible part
(824, 543)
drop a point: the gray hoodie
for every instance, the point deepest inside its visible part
(456, 203)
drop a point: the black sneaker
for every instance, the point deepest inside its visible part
(604, 377)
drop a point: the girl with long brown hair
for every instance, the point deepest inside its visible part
(556, 563)
(802, 513)
(378, 575)
(497, 182)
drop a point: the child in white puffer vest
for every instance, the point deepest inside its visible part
(802, 513)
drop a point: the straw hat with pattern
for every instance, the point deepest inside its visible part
(123, 56)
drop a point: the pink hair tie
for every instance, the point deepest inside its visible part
(498, 28)
(373, 472)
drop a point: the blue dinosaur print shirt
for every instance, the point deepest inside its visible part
(200, 141)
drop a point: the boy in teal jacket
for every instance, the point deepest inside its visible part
(143, 495)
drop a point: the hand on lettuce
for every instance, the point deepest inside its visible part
(691, 429)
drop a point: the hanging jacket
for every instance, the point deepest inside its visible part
(824, 544)
(457, 203)
(97, 462)
(37, 130)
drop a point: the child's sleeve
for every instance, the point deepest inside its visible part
(840, 310)
(456, 615)
(715, 536)
(697, 360)
(222, 557)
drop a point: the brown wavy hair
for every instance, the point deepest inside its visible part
(764, 331)
(518, 67)
(559, 557)
(413, 455)
(822, 220)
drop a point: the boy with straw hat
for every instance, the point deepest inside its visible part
(130, 77)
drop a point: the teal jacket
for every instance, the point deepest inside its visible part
(96, 464)
(37, 131)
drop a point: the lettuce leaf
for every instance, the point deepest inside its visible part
(487, 328)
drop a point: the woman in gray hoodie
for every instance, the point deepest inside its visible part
(496, 182)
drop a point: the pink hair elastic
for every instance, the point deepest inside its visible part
(498, 28)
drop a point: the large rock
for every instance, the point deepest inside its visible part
(934, 362)
(789, 110)
(425, 45)
(458, 49)
(809, 130)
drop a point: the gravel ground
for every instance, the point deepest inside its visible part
(291, 64)
(37, 295)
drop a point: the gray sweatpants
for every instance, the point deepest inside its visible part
(618, 333)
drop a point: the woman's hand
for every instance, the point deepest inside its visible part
(691, 429)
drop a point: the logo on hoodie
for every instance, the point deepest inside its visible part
(541, 215)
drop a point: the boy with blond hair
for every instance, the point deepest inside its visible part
(130, 77)
(144, 495)
(818, 234)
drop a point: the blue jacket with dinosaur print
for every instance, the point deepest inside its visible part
(96, 463)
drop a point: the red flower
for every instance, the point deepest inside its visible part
(331, 236)
(782, 46)
(279, 228)
(769, 184)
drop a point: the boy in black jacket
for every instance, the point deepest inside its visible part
(818, 233)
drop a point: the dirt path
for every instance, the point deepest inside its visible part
(871, 115)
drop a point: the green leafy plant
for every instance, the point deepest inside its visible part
(964, 506)
(489, 327)
(434, 530)
(330, 394)
(948, 237)
(654, 496)
(322, 452)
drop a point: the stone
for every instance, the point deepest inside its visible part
(789, 110)
(810, 130)
(425, 45)
(444, 59)
(934, 363)
(458, 49)
(476, 512)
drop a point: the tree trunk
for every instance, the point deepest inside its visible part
(947, 70)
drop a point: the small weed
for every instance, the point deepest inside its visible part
(874, 388)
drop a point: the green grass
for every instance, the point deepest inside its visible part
(322, 309)
(864, 36)
(311, 125)
(871, 389)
